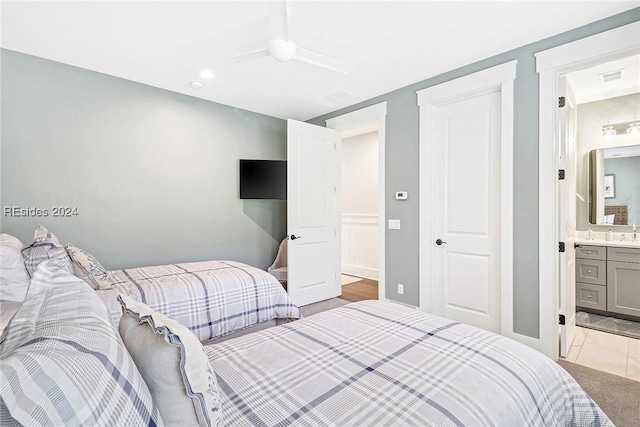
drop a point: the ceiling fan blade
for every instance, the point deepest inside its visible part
(279, 20)
(314, 58)
(246, 57)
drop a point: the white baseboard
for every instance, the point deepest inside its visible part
(364, 272)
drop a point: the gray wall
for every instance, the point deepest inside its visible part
(402, 156)
(153, 174)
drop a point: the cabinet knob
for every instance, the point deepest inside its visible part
(588, 296)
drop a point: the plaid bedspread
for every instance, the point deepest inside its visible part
(212, 298)
(378, 363)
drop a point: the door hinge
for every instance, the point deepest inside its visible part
(561, 174)
(561, 101)
(561, 247)
(561, 320)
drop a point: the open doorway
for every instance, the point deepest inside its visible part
(607, 144)
(362, 265)
(359, 215)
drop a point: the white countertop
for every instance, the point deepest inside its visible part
(603, 242)
(599, 238)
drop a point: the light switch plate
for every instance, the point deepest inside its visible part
(394, 224)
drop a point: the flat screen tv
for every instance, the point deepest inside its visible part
(263, 179)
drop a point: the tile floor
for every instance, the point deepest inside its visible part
(610, 353)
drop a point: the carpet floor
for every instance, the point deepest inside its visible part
(617, 396)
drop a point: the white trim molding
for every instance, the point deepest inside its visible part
(359, 259)
(551, 64)
(360, 121)
(499, 78)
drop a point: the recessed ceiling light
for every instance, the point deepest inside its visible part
(196, 85)
(207, 74)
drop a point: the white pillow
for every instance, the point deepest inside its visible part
(173, 363)
(14, 279)
(86, 267)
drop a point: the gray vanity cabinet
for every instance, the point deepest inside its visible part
(623, 280)
(591, 277)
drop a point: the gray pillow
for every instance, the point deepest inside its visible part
(173, 363)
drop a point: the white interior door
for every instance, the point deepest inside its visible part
(567, 120)
(466, 210)
(313, 271)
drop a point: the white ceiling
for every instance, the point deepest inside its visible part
(588, 85)
(391, 43)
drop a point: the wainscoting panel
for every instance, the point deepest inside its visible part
(360, 245)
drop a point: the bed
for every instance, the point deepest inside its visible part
(379, 363)
(366, 363)
(214, 299)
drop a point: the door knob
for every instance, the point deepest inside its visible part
(294, 237)
(439, 242)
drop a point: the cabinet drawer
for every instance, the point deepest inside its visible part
(591, 271)
(591, 252)
(591, 296)
(623, 254)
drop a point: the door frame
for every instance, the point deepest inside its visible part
(498, 78)
(550, 65)
(366, 118)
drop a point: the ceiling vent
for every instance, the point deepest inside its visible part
(342, 98)
(611, 76)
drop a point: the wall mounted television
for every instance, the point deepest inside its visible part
(263, 179)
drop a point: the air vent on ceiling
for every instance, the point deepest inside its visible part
(342, 98)
(611, 76)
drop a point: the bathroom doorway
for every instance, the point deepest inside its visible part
(606, 145)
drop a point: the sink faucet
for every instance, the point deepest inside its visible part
(634, 232)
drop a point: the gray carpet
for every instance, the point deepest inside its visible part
(618, 397)
(608, 324)
(311, 309)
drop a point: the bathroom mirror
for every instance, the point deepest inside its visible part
(614, 186)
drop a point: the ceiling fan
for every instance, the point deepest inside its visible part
(283, 49)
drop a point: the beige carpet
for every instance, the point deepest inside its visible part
(618, 397)
(311, 309)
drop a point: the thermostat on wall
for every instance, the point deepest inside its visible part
(401, 195)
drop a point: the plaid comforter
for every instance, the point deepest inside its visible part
(378, 363)
(212, 298)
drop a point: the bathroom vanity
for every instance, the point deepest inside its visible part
(608, 277)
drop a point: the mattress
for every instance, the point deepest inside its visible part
(379, 363)
(211, 298)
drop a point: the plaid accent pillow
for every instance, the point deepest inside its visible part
(173, 363)
(45, 246)
(63, 362)
(86, 267)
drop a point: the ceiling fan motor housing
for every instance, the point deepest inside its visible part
(282, 50)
